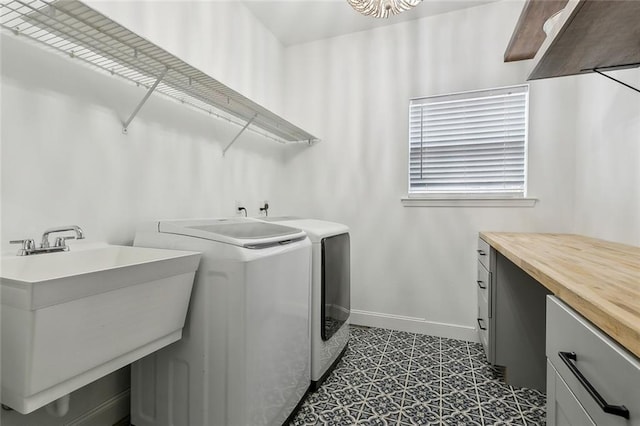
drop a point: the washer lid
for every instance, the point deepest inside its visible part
(279, 218)
(240, 232)
(316, 230)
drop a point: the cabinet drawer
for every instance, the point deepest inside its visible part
(482, 323)
(613, 372)
(484, 253)
(484, 284)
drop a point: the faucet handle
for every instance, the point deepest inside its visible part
(62, 241)
(27, 245)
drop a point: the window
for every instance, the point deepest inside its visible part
(469, 144)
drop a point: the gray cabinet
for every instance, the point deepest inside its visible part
(484, 286)
(583, 366)
(513, 308)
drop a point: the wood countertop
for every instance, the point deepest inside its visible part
(599, 279)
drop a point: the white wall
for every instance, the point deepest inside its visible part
(608, 157)
(414, 268)
(66, 161)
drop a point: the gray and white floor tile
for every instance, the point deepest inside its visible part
(392, 378)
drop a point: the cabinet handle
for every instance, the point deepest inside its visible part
(481, 252)
(616, 410)
(480, 324)
(480, 284)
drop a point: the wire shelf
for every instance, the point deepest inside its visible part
(74, 29)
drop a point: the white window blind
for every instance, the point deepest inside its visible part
(469, 143)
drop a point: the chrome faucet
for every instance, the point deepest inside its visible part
(60, 243)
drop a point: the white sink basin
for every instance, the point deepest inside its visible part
(70, 318)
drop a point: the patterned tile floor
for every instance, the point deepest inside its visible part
(397, 378)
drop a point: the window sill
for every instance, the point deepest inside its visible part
(462, 201)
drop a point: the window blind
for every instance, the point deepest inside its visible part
(469, 143)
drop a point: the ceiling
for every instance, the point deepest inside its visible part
(301, 21)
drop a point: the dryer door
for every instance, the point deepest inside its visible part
(336, 284)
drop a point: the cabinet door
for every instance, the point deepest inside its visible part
(484, 284)
(484, 253)
(483, 324)
(563, 408)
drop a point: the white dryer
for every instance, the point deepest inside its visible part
(244, 357)
(330, 291)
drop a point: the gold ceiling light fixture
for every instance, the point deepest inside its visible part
(382, 8)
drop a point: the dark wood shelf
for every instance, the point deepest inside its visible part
(591, 34)
(528, 35)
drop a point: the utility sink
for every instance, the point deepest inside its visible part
(72, 317)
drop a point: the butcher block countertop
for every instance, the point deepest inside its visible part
(597, 278)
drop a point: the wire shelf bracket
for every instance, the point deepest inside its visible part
(125, 125)
(224, 151)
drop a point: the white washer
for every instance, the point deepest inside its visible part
(330, 291)
(244, 357)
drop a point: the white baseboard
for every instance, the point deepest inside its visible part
(413, 325)
(107, 413)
